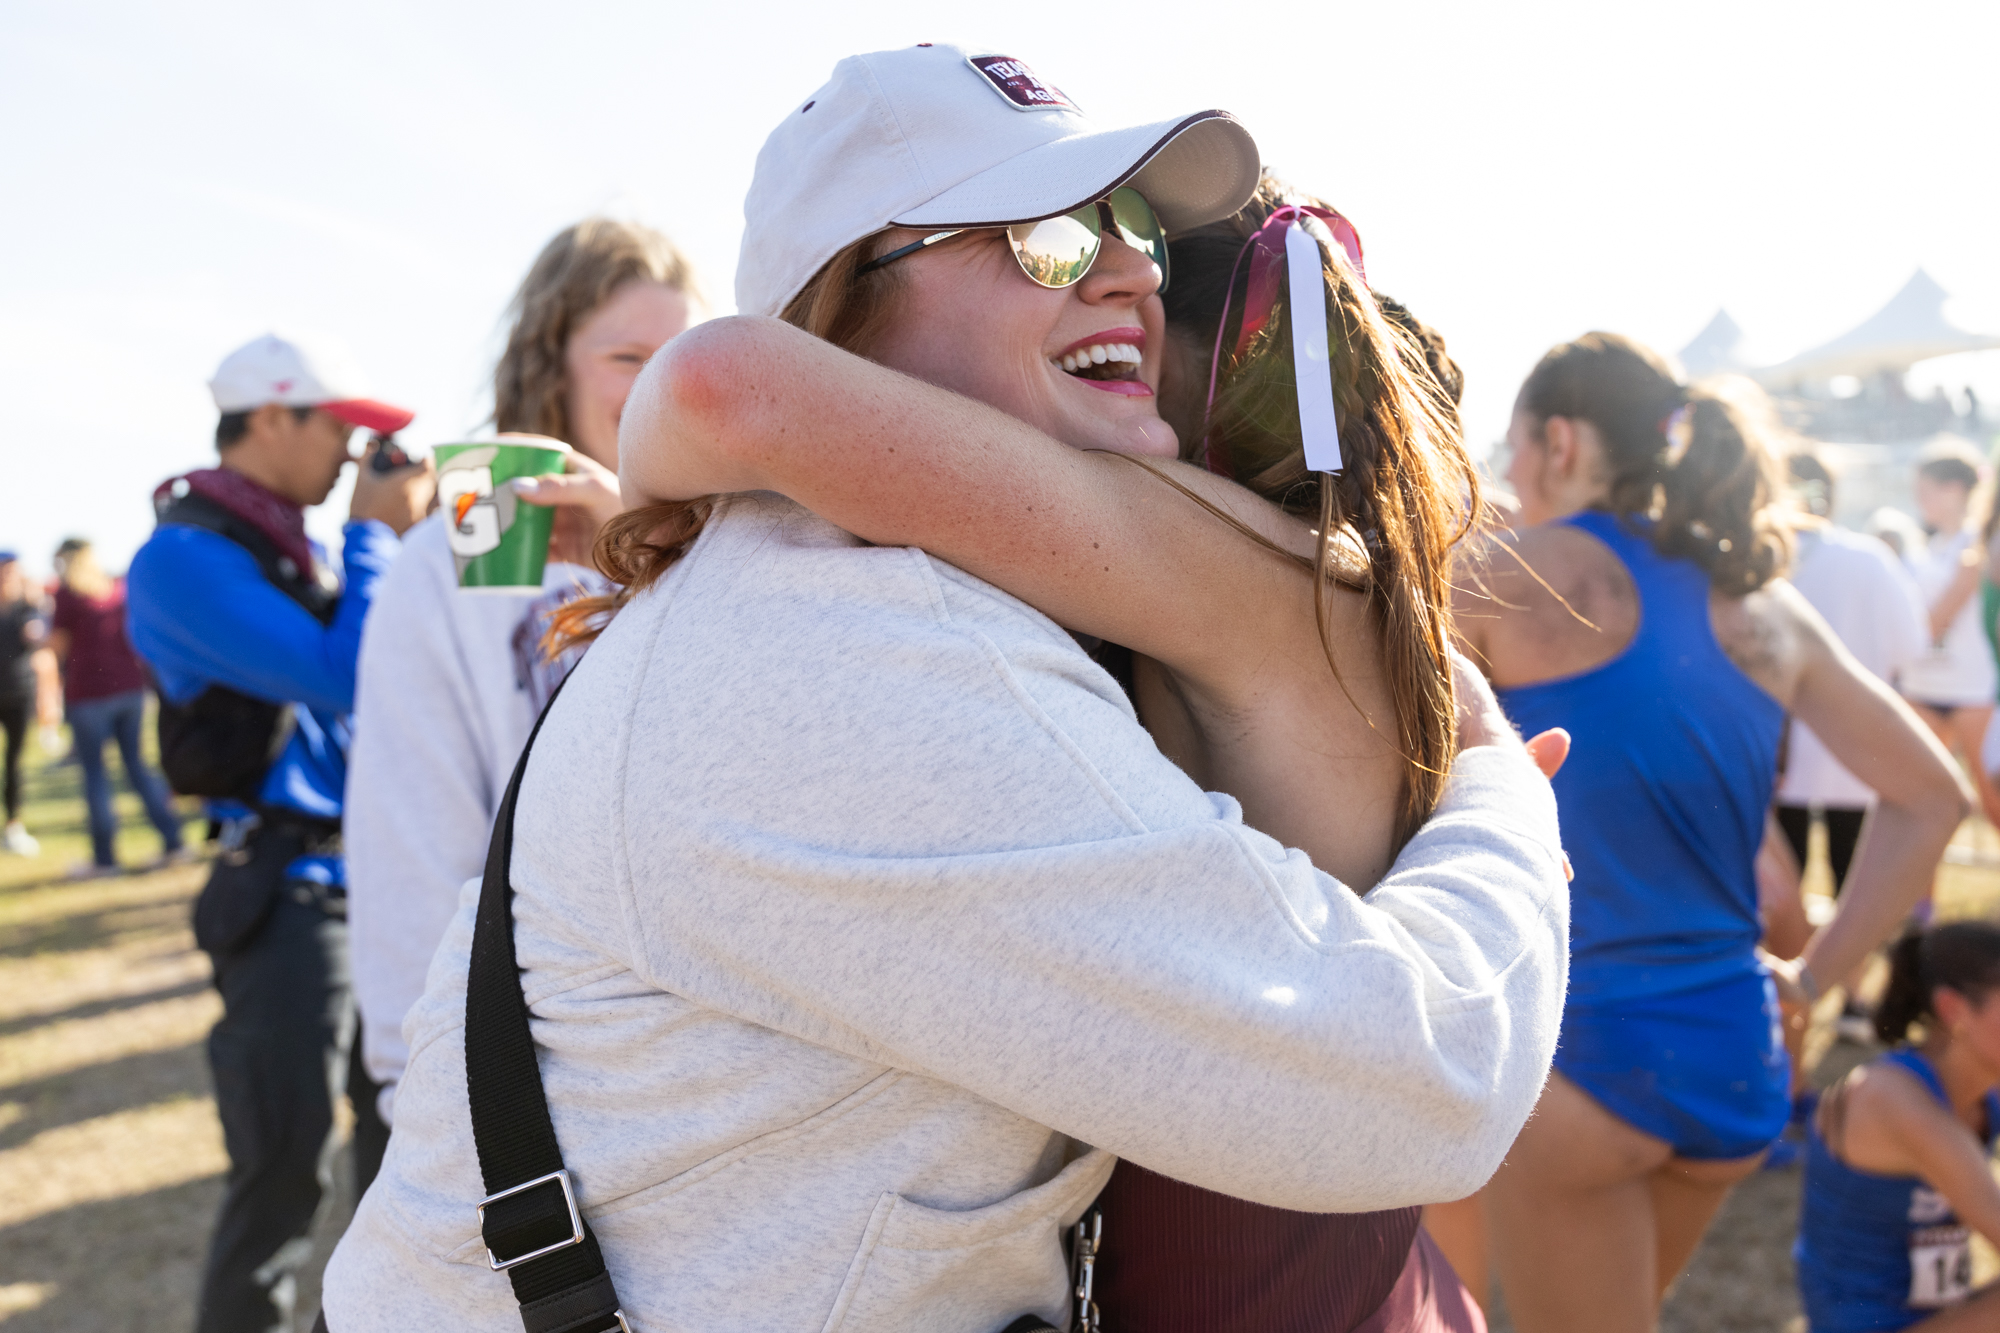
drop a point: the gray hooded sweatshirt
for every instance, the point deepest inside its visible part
(863, 927)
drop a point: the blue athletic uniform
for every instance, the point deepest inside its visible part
(1672, 1024)
(1879, 1253)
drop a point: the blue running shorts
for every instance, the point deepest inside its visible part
(1704, 1069)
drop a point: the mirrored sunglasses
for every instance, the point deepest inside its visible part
(1056, 252)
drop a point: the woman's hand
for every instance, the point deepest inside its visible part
(1548, 750)
(585, 497)
(1481, 722)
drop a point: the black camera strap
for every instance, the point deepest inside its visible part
(531, 1218)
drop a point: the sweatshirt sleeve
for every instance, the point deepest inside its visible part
(952, 870)
(419, 795)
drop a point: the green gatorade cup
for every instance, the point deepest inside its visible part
(500, 543)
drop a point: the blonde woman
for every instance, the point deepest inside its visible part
(450, 684)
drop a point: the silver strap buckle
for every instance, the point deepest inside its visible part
(575, 1221)
(1089, 1238)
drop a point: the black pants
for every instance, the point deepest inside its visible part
(1843, 835)
(14, 720)
(279, 1058)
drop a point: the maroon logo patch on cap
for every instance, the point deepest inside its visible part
(1018, 84)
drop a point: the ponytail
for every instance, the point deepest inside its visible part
(1407, 491)
(1695, 460)
(841, 304)
(1961, 955)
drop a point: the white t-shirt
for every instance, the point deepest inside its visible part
(861, 923)
(1959, 672)
(1869, 600)
(449, 684)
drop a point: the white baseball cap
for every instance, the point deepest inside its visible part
(938, 136)
(292, 373)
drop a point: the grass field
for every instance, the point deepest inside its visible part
(111, 1159)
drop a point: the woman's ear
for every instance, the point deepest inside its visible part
(1953, 1010)
(1560, 448)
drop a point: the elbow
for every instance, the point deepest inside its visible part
(706, 380)
(1948, 796)
(1938, 803)
(695, 402)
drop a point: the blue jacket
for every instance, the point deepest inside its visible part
(201, 612)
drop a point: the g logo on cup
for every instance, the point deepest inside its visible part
(480, 515)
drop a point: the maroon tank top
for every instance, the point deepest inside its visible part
(1177, 1259)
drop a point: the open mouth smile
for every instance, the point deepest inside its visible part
(1109, 361)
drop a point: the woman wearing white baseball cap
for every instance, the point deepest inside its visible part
(859, 920)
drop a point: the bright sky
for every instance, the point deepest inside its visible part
(181, 178)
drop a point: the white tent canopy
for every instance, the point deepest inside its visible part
(1716, 350)
(1912, 327)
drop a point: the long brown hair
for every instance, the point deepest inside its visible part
(1407, 492)
(1696, 460)
(842, 305)
(580, 269)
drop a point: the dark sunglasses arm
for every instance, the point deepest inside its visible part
(910, 249)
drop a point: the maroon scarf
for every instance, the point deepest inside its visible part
(270, 513)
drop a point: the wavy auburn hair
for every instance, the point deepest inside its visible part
(842, 305)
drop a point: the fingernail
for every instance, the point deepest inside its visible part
(526, 485)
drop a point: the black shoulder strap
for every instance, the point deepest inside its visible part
(301, 585)
(531, 1218)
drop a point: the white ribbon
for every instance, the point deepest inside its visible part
(1310, 363)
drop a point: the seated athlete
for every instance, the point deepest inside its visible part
(1897, 1172)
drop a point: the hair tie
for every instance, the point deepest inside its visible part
(1679, 434)
(1312, 366)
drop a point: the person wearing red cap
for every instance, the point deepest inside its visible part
(253, 644)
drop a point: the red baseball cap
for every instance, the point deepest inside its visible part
(369, 414)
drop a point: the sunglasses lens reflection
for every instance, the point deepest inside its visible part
(1057, 251)
(1139, 227)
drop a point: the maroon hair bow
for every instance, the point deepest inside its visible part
(1267, 246)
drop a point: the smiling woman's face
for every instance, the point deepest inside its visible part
(968, 319)
(606, 353)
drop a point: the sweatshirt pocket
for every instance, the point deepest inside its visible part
(973, 1270)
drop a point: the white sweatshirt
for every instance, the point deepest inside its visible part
(853, 902)
(450, 682)
(1869, 601)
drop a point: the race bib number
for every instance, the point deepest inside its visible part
(1940, 1266)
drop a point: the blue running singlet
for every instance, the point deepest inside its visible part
(1878, 1253)
(1663, 802)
